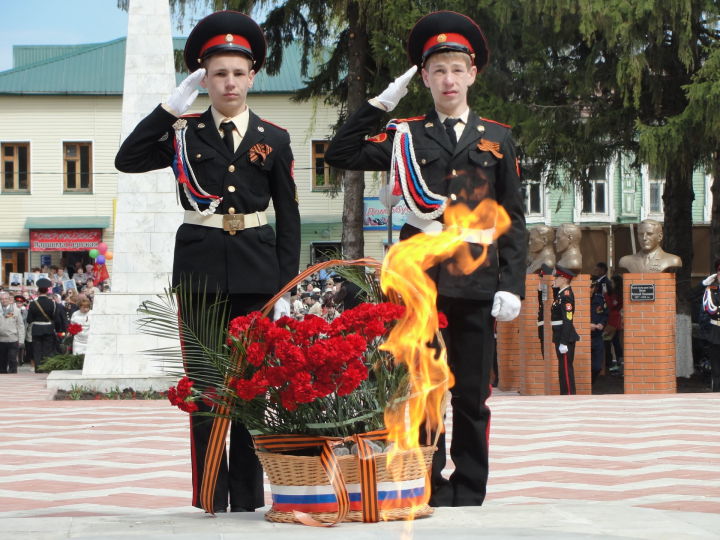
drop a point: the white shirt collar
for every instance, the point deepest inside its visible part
(240, 121)
(463, 117)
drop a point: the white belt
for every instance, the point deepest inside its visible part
(556, 323)
(228, 222)
(542, 323)
(716, 322)
(431, 226)
(42, 323)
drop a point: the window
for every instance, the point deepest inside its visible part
(320, 169)
(15, 171)
(533, 198)
(594, 192)
(655, 187)
(77, 166)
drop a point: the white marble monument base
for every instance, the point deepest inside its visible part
(67, 380)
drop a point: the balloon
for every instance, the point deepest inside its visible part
(102, 248)
(100, 259)
(93, 253)
(109, 255)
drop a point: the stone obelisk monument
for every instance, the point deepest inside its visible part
(147, 217)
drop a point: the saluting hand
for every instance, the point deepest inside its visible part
(396, 90)
(184, 95)
(708, 280)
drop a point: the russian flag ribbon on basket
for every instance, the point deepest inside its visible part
(337, 496)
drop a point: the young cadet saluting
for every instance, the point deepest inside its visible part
(564, 335)
(229, 164)
(454, 157)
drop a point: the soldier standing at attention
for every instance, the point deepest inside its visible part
(564, 334)
(451, 156)
(229, 164)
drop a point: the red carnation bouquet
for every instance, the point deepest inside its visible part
(307, 377)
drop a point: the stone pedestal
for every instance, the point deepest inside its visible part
(649, 336)
(147, 217)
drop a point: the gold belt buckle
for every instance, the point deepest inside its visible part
(233, 223)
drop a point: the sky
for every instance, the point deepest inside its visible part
(63, 22)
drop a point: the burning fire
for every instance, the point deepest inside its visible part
(404, 274)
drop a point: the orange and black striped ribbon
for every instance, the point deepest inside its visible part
(213, 455)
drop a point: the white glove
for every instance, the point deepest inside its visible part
(506, 306)
(562, 348)
(386, 197)
(391, 96)
(708, 280)
(184, 95)
(282, 307)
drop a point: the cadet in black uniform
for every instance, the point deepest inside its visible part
(451, 156)
(46, 318)
(564, 334)
(229, 164)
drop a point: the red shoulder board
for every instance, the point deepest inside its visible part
(273, 124)
(566, 292)
(412, 119)
(379, 138)
(191, 115)
(496, 122)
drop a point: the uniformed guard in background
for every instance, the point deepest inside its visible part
(710, 323)
(563, 328)
(45, 318)
(229, 164)
(454, 157)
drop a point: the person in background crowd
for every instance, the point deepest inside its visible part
(46, 318)
(82, 317)
(70, 303)
(90, 290)
(563, 328)
(613, 331)
(24, 352)
(12, 333)
(598, 321)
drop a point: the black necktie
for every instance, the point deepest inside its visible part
(227, 129)
(449, 124)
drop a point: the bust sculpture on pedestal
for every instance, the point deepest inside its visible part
(540, 248)
(567, 247)
(651, 257)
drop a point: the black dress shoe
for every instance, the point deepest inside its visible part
(442, 495)
(241, 509)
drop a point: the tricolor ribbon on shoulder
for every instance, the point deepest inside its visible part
(708, 304)
(186, 177)
(407, 176)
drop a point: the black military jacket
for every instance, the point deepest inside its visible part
(257, 260)
(55, 316)
(466, 174)
(562, 311)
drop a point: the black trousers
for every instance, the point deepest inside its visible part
(714, 367)
(470, 343)
(240, 479)
(9, 357)
(566, 372)
(43, 347)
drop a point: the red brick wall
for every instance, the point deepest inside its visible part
(532, 373)
(649, 336)
(508, 351)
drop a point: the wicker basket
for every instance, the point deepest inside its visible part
(299, 483)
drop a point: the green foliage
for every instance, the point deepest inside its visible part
(61, 362)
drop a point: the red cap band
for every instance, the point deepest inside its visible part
(225, 39)
(448, 39)
(560, 273)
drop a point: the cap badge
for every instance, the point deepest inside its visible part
(442, 38)
(229, 38)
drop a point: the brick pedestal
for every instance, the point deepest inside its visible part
(532, 375)
(508, 351)
(649, 336)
